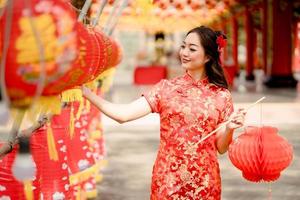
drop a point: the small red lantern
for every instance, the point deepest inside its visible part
(260, 153)
(163, 4)
(195, 4)
(179, 4)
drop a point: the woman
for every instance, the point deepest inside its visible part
(190, 107)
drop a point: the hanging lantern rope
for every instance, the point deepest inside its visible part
(96, 19)
(84, 10)
(111, 16)
(117, 17)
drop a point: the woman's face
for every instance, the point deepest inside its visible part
(191, 53)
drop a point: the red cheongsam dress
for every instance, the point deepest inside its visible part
(189, 110)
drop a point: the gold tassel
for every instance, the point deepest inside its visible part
(88, 105)
(72, 122)
(91, 85)
(28, 190)
(78, 194)
(81, 105)
(84, 175)
(53, 155)
(96, 134)
(71, 95)
(91, 194)
(49, 104)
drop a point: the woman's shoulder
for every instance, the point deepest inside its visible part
(218, 90)
(222, 92)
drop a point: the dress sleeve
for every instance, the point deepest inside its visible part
(153, 96)
(227, 107)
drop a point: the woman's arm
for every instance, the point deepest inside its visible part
(119, 112)
(224, 136)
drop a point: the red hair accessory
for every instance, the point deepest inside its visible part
(221, 41)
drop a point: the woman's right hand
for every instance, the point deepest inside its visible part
(85, 91)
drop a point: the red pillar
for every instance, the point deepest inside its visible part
(265, 35)
(281, 72)
(249, 44)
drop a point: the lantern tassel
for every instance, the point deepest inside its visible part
(72, 95)
(72, 122)
(81, 105)
(49, 104)
(88, 105)
(28, 190)
(53, 155)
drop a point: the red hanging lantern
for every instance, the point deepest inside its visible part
(38, 25)
(210, 4)
(10, 187)
(52, 167)
(260, 153)
(179, 4)
(162, 4)
(86, 63)
(195, 4)
(98, 52)
(80, 154)
(114, 52)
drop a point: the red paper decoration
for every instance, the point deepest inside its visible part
(38, 24)
(260, 153)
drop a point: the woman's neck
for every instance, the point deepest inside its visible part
(197, 74)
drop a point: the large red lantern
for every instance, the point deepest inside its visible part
(114, 52)
(49, 150)
(260, 153)
(98, 52)
(86, 63)
(37, 33)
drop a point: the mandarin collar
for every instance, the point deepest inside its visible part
(192, 81)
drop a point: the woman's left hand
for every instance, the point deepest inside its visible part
(237, 119)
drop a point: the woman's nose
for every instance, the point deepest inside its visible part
(184, 52)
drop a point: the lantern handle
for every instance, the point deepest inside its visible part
(225, 123)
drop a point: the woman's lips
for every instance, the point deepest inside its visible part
(185, 60)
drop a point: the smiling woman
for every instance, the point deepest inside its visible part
(190, 107)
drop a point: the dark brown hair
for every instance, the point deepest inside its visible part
(213, 68)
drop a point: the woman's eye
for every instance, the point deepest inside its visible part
(192, 49)
(182, 46)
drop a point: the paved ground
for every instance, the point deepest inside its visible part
(132, 149)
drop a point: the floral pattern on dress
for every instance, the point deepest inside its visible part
(189, 110)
